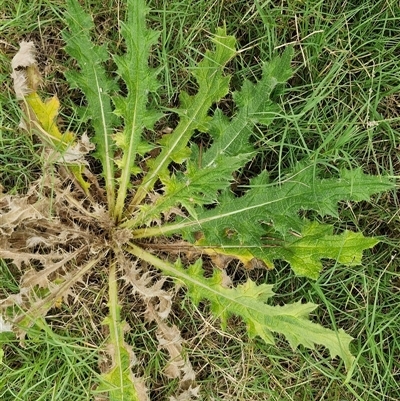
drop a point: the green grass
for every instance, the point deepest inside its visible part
(342, 109)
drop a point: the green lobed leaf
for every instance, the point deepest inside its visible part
(118, 381)
(140, 80)
(305, 254)
(255, 106)
(279, 204)
(93, 81)
(195, 187)
(210, 171)
(248, 301)
(265, 224)
(193, 112)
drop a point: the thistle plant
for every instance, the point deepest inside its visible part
(153, 196)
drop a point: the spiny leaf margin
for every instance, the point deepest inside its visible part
(193, 111)
(119, 381)
(211, 170)
(248, 301)
(140, 80)
(96, 85)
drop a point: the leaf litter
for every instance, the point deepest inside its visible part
(56, 235)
